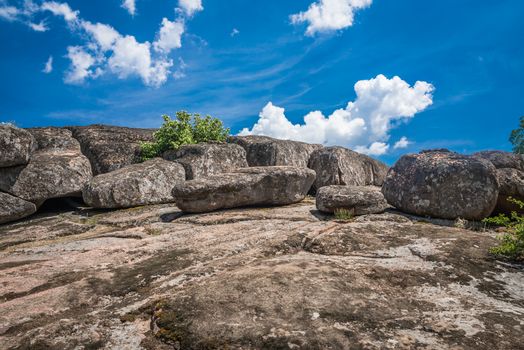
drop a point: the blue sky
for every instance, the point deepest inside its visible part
(236, 56)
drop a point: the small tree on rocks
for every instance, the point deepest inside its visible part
(185, 129)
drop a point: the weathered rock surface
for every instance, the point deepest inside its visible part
(279, 185)
(271, 278)
(501, 159)
(12, 208)
(111, 147)
(16, 146)
(511, 184)
(150, 182)
(56, 169)
(55, 138)
(442, 184)
(207, 159)
(359, 200)
(510, 174)
(341, 166)
(267, 151)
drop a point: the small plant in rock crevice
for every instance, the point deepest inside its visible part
(511, 243)
(343, 214)
(185, 129)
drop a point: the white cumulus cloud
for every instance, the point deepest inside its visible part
(130, 6)
(329, 15)
(48, 67)
(190, 7)
(402, 143)
(169, 36)
(134, 58)
(380, 105)
(81, 65)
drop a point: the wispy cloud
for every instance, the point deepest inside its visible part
(48, 67)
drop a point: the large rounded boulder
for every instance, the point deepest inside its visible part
(268, 151)
(110, 148)
(510, 173)
(502, 159)
(13, 208)
(146, 183)
(442, 184)
(273, 185)
(16, 145)
(56, 169)
(207, 159)
(341, 166)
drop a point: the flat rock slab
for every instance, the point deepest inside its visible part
(267, 151)
(13, 208)
(279, 185)
(257, 278)
(207, 159)
(146, 183)
(16, 145)
(358, 200)
(442, 184)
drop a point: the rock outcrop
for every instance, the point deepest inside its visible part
(111, 147)
(207, 159)
(16, 146)
(279, 185)
(13, 208)
(358, 200)
(341, 166)
(146, 183)
(56, 169)
(442, 184)
(267, 151)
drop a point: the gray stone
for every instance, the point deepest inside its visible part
(50, 174)
(55, 138)
(359, 200)
(208, 159)
(16, 146)
(511, 185)
(501, 159)
(146, 183)
(341, 166)
(267, 151)
(442, 184)
(279, 185)
(13, 208)
(111, 147)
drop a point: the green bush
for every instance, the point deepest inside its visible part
(517, 138)
(185, 129)
(512, 243)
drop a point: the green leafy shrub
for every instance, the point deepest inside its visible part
(517, 138)
(512, 243)
(185, 129)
